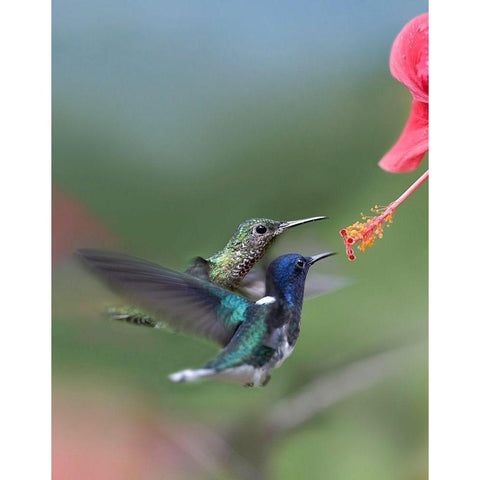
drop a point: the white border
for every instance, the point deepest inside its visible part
(454, 332)
(25, 34)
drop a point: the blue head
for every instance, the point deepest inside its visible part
(286, 276)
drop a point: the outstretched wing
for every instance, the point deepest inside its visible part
(247, 346)
(200, 269)
(187, 303)
(253, 285)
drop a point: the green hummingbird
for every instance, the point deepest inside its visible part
(228, 267)
(256, 336)
(248, 244)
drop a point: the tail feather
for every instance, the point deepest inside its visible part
(189, 375)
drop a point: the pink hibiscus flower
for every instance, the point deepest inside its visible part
(409, 65)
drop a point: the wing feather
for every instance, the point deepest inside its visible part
(187, 303)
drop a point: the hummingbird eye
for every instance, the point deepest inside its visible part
(300, 263)
(261, 229)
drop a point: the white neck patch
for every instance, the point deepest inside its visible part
(265, 300)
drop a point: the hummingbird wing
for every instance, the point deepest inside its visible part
(199, 268)
(247, 346)
(187, 303)
(253, 285)
(318, 284)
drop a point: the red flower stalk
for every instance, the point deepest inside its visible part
(409, 65)
(367, 232)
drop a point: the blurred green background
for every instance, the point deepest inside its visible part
(172, 123)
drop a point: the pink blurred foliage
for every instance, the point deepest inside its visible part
(409, 65)
(73, 226)
(98, 437)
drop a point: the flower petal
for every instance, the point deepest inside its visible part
(73, 225)
(410, 148)
(409, 57)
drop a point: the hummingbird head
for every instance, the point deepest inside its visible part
(257, 234)
(286, 275)
(247, 245)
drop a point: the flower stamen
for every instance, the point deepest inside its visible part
(367, 232)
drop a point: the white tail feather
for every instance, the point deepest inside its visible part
(190, 375)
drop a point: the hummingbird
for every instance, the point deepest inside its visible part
(256, 336)
(228, 267)
(248, 244)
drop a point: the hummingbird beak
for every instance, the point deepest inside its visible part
(316, 258)
(294, 223)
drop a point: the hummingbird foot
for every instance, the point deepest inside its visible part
(262, 383)
(265, 382)
(131, 315)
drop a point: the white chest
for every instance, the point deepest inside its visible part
(284, 351)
